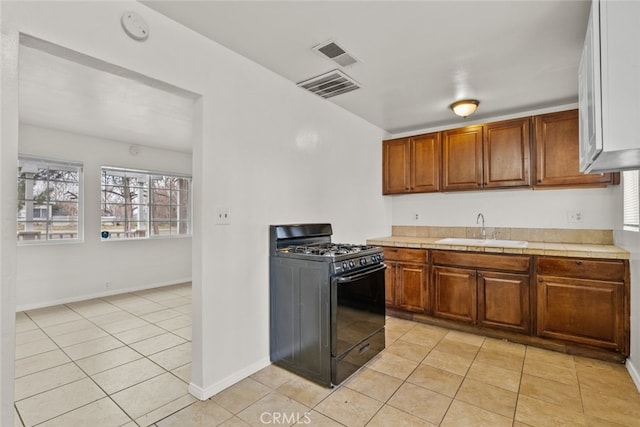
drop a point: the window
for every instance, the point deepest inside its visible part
(49, 205)
(631, 205)
(144, 204)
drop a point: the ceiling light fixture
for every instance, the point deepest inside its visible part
(465, 107)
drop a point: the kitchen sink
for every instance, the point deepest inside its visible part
(484, 242)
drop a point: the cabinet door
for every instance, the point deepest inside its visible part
(506, 154)
(396, 160)
(503, 300)
(390, 285)
(462, 158)
(425, 163)
(579, 310)
(589, 91)
(411, 289)
(454, 294)
(557, 152)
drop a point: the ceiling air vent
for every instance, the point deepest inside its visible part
(334, 52)
(330, 84)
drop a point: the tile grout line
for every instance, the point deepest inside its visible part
(515, 408)
(15, 408)
(88, 318)
(143, 356)
(386, 402)
(83, 371)
(345, 385)
(462, 382)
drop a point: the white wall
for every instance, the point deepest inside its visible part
(600, 207)
(8, 201)
(73, 271)
(265, 149)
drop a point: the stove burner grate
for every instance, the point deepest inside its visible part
(329, 249)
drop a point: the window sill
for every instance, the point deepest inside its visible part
(142, 239)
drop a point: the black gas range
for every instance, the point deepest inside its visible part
(327, 302)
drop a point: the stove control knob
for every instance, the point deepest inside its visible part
(344, 265)
(363, 261)
(374, 258)
(352, 264)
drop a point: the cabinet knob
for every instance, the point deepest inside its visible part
(540, 279)
(579, 261)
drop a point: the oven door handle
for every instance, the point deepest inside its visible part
(354, 277)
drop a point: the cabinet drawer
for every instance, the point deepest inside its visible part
(409, 255)
(482, 261)
(613, 270)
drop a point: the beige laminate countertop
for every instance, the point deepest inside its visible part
(533, 248)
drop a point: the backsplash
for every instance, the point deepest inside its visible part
(548, 235)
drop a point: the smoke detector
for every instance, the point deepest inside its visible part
(330, 84)
(333, 51)
(135, 26)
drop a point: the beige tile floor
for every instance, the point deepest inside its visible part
(125, 360)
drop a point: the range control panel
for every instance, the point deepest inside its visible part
(357, 263)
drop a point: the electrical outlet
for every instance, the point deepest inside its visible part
(416, 216)
(574, 216)
(223, 216)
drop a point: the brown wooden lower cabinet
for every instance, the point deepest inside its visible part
(489, 298)
(582, 301)
(411, 287)
(390, 284)
(407, 279)
(503, 301)
(560, 301)
(454, 294)
(495, 299)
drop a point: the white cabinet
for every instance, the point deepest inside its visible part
(609, 88)
(589, 92)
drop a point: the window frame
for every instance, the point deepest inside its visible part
(51, 164)
(144, 179)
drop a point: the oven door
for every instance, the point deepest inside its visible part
(357, 308)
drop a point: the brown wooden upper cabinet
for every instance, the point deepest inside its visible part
(495, 155)
(507, 149)
(411, 165)
(558, 152)
(462, 158)
(492, 155)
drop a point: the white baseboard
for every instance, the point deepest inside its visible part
(633, 372)
(210, 390)
(105, 293)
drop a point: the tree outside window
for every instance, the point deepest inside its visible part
(48, 200)
(143, 204)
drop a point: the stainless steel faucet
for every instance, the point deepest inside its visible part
(483, 232)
